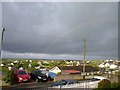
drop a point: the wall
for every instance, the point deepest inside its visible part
(71, 76)
(115, 78)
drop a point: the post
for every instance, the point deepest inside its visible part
(1, 42)
(84, 63)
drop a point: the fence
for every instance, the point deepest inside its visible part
(81, 84)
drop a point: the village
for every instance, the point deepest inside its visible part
(61, 66)
(64, 69)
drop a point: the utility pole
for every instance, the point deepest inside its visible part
(1, 42)
(84, 63)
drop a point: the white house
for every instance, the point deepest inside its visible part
(26, 60)
(107, 65)
(30, 60)
(101, 66)
(55, 70)
(2, 65)
(16, 61)
(29, 65)
(11, 63)
(21, 68)
(113, 66)
(9, 68)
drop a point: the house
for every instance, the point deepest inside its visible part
(2, 65)
(88, 69)
(101, 65)
(70, 72)
(55, 70)
(16, 61)
(107, 65)
(113, 66)
(43, 68)
(29, 65)
(69, 63)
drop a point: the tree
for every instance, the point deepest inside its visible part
(18, 65)
(9, 77)
(34, 64)
(25, 65)
(62, 63)
(74, 63)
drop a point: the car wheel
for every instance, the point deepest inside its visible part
(17, 80)
(50, 79)
(36, 80)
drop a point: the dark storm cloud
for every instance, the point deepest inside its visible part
(60, 28)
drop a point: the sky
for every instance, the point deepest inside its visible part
(57, 30)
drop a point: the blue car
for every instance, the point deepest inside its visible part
(64, 82)
(50, 75)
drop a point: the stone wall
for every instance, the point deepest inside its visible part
(115, 78)
(72, 76)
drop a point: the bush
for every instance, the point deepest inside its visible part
(117, 72)
(59, 73)
(4, 69)
(35, 64)
(104, 84)
(115, 85)
(31, 69)
(9, 77)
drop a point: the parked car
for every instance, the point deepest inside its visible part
(21, 76)
(38, 76)
(50, 75)
(64, 82)
(98, 78)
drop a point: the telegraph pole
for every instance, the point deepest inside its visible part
(84, 63)
(1, 42)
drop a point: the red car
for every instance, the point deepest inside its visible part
(21, 76)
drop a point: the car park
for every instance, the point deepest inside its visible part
(38, 76)
(21, 76)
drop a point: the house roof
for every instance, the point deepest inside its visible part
(78, 68)
(71, 71)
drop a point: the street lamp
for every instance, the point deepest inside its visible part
(3, 29)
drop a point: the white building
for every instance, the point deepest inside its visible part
(9, 68)
(101, 66)
(107, 65)
(21, 68)
(2, 65)
(16, 61)
(30, 65)
(11, 63)
(55, 70)
(113, 66)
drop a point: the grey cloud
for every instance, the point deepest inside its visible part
(60, 28)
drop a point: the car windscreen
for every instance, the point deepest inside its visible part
(38, 73)
(60, 82)
(95, 79)
(22, 73)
